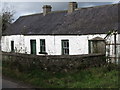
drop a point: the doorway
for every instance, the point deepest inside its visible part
(33, 46)
(97, 45)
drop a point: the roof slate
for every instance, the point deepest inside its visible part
(92, 20)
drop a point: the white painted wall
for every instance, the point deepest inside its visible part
(18, 41)
(78, 44)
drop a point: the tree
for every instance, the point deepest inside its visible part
(0, 22)
(7, 17)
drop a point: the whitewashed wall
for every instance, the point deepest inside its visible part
(78, 44)
(18, 41)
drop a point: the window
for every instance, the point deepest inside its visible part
(42, 46)
(12, 46)
(65, 47)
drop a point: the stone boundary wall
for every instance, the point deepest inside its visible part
(54, 63)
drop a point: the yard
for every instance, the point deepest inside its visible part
(97, 77)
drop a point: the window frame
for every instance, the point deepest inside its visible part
(42, 46)
(65, 47)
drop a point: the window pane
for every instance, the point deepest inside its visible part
(67, 51)
(67, 44)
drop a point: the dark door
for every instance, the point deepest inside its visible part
(12, 46)
(33, 46)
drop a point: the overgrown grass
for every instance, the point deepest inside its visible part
(97, 77)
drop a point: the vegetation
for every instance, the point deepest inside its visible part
(97, 77)
(6, 16)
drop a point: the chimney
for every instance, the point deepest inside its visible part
(72, 6)
(46, 9)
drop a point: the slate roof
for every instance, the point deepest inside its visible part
(92, 20)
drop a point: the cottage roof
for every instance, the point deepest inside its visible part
(92, 20)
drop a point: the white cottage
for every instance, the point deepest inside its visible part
(71, 32)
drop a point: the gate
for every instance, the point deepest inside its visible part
(113, 48)
(110, 52)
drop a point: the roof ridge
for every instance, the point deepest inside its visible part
(42, 13)
(96, 6)
(31, 14)
(59, 11)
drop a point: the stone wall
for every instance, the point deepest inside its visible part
(54, 63)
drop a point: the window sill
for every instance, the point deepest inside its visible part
(43, 53)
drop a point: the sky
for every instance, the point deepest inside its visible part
(26, 8)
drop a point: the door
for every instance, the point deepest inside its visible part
(12, 46)
(33, 46)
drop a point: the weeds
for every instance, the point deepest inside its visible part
(97, 77)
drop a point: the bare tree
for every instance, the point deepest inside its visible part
(0, 22)
(7, 16)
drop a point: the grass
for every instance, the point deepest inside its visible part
(97, 77)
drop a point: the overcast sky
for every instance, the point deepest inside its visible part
(26, 8)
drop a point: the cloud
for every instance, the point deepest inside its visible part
(116, 1)
(59, 0)
(26, 8)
